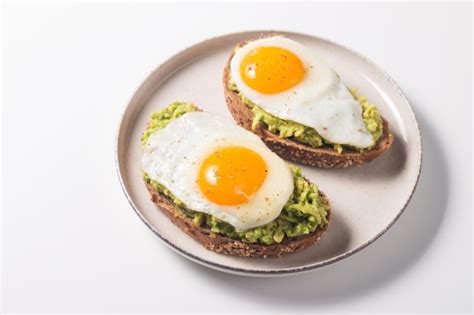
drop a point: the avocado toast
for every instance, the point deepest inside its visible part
(300, 143)
(301, 222)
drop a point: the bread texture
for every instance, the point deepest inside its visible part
(287, 148)
(225, 245)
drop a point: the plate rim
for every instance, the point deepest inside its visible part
(255, 272)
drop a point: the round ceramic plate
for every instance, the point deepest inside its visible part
(365, 200)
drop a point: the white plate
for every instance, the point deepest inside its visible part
(366, 200)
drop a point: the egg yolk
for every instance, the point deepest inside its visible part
(271, 70)
(231, 175)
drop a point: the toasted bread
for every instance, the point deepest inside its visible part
(287, 148)
(222, 244)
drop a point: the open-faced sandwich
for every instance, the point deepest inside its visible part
(222, 186)
(299, 106)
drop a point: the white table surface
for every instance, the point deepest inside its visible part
(71, 242)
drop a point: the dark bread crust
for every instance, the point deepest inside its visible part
(222, 244)
(325, 157)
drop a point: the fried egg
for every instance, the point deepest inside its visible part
(214, 166)
(289, 81)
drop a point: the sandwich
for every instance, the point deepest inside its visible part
(299, 106)
(222, 186)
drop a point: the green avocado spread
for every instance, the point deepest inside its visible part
(162, 118)
(301, 215)
(304, 134)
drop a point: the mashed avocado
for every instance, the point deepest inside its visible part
(308, 135)
(371, 116)
(161, 119)
(302, 214)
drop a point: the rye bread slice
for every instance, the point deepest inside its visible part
(287, 148)
(225, 245)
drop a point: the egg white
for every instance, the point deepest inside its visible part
(173, 155)
(320, 100)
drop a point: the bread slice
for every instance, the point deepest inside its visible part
(222, 244)
(325, 156)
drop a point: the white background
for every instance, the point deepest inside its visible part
(71, 242)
